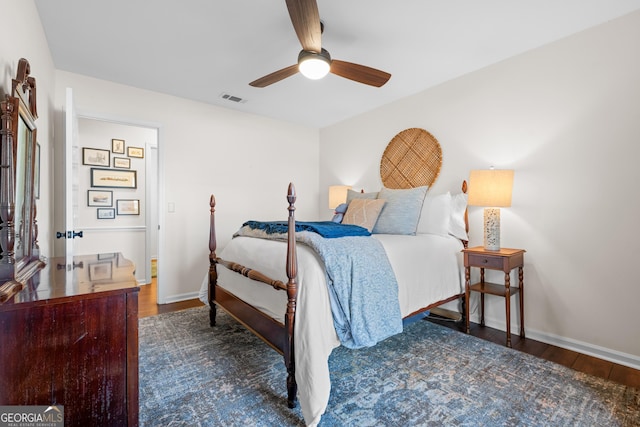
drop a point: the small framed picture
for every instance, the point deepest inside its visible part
(101, 270)
(135, 152)
(128, 207)
(99, 198)
(122, 163)
(113, 178)
(96, 157)
(117, 146)
(106, 213)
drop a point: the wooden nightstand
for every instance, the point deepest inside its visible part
(504, 260)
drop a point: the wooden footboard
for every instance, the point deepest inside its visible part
(278, 336)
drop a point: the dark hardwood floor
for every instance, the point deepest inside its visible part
(147, 302)
(580, 362)
(600, 368)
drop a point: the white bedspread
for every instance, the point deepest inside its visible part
(428, 269)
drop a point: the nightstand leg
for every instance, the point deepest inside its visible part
(467, 284)
(521, 284)
(482, 298)
(507, 298)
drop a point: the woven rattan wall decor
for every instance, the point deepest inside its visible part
(412, 159)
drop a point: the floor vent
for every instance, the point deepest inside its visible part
(232, 98)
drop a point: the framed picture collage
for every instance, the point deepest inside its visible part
(111, 170)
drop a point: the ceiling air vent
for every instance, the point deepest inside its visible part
(232, 98)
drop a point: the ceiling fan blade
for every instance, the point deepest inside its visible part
(306, 21)
(275, 77)
(359, 73)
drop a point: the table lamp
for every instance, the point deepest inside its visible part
(492, 189)
(337, 195)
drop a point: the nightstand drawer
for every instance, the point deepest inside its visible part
(483, 261)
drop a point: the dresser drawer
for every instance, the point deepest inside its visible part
(484, 261)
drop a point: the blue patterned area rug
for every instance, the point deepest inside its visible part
(195, 375)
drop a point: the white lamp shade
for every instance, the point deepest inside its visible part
(337, 195)
(490, 188)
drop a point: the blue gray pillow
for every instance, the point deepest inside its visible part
(401, 212)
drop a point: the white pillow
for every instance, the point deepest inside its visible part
(457, 226)
(436, 215)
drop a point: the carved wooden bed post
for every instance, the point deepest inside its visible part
(292, 295)
(280, 337)
(213, 273)
(462, 301)
(465, 243)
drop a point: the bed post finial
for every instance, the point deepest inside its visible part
(292, 296)
(213, 273)
(212, 226)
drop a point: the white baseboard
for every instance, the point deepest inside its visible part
(180, 297)
(603, 353)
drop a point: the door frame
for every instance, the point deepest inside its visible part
(153, 228)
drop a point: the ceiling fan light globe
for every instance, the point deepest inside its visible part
(313, 68)
(314, 65)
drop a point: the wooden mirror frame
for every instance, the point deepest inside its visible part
(19, 251)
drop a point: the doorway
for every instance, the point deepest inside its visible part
(117, 218)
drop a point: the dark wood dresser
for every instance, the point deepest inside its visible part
(71, 338)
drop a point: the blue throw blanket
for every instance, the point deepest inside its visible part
(362, 286)
(328, 229)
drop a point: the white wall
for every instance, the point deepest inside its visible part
(247, 161)
(566, 118)
(22, 36)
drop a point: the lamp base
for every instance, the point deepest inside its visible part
(492, 229)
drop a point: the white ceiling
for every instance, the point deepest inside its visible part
(200, 49)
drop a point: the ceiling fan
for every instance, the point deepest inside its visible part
(313, 61)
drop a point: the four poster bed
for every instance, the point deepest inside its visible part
(287, 293)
